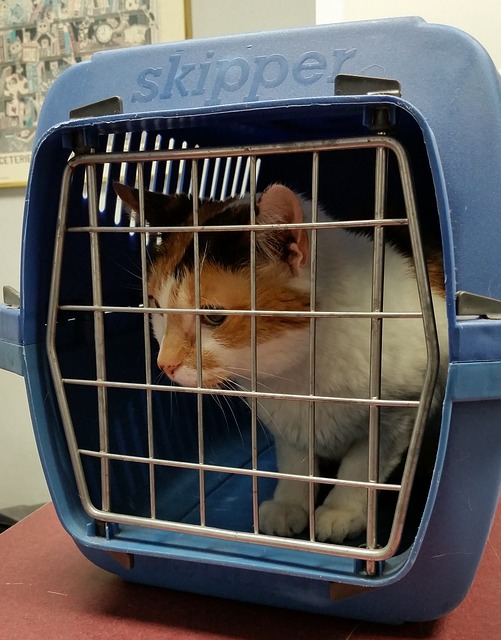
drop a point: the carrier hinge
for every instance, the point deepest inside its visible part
(85, 140)
(11, 297)
(351, 85)
(381, 118)
(472, 304)
(107, 107)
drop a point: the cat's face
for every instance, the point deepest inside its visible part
(225, 341)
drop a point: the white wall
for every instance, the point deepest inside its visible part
(21, 478)
(482, 20)
(223, 17)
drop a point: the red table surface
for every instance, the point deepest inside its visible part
(48, 590)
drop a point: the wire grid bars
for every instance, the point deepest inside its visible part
(202, 172)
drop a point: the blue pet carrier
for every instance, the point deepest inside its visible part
(395, 128)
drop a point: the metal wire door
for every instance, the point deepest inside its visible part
(217, 173)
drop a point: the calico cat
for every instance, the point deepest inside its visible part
(283, 269)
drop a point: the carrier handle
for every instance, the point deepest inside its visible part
(11, 348)
(472, 304)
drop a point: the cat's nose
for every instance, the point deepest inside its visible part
(168, 368)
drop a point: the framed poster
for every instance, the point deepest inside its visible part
(41, 38)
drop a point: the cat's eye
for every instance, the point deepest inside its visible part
(213, 319)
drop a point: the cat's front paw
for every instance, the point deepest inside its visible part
(336, 524)
(282, 518)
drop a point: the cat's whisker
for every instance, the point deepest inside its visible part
(234, 385)
(222, 382)
(260, 374)
(137, 276)
(203, 258)
(228, 402)
(217, 399)
(239, 387)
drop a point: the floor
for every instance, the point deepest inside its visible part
(49, 590)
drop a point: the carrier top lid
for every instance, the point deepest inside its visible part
(434, 64)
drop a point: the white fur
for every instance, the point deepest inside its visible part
(341, 370)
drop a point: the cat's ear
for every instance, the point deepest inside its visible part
(279, 204)
(159, 209)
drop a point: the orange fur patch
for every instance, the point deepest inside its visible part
(435, 265)
(227, 289)
(435, 269)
